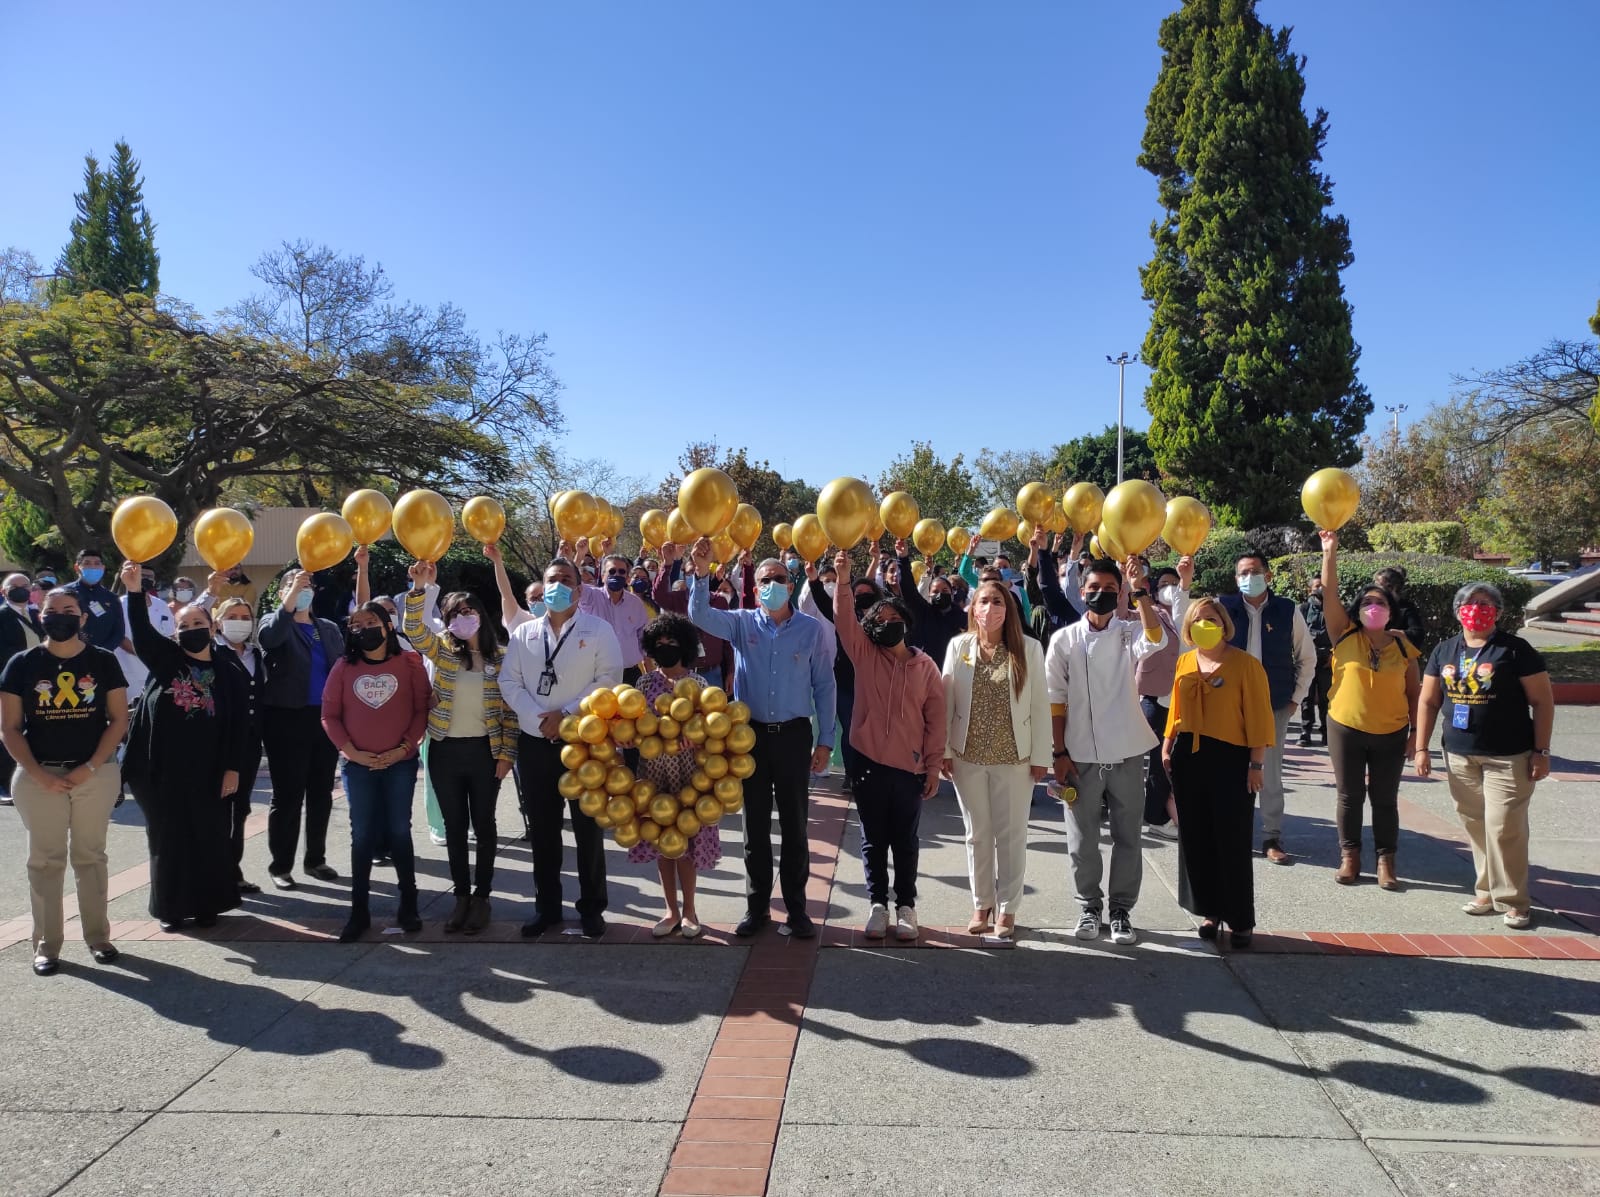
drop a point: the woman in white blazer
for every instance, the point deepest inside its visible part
(999, 745)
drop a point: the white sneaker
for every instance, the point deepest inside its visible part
(1161, 831)
(437, 839)
(1122, 931)
(1089, 925)
(878, 921)
(905, 922)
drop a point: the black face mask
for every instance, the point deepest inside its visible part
(368, 639)
(60, 627)
(667, 655)
(885, 635)
(865, 603)
(1101, 602)
(192, 640)
(941, 602)
(148, 585)
(18, 594)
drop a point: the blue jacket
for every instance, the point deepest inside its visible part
(288, 660)
(1277, 641)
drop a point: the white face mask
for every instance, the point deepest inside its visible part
(183, 595)
(237, 631)
(1168, 595)
(828, 587)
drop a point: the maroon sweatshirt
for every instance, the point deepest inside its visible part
(378, 705)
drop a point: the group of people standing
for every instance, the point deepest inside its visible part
(1141, 703)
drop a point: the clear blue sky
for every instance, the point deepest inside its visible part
(819, 230)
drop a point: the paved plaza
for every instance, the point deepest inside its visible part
(1371, 1043)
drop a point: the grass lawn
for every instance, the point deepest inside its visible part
(1574, 663)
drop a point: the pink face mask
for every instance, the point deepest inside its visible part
(989, 616)
(1374, 617)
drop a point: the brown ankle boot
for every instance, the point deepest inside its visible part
(478, 916)
(1386, 874)
(1349, 867)
(458, 915)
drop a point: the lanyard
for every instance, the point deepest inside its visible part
(549, 656)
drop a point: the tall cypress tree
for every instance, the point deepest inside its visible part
(113, 245)
(1254, 365)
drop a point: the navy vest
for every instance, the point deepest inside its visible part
(1277, 641)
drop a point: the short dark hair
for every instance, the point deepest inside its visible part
(1102, 565)
(1391, 577)
(895, 603)
(1167, 571)
(671, 626)
(85, 553)
(354, 655)
(1251, 553)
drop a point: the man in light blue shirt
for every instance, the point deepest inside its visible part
(784, 673)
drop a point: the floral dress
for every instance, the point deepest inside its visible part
(670, 774)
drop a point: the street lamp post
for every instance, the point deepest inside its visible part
(1395, 412)
(1121, 363)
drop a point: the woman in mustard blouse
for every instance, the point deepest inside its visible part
(1219, 728)
(1372, 714)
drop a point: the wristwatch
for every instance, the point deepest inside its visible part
(1140, 594)
(1059, 753)
(1541, 752)
(1257, 766)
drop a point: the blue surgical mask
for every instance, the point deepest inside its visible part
(302, 601)
(93, 574)
(557, 597)
(615, 584)
(774, 595)
(536, 608)
(1009, 574)
(1252, 585)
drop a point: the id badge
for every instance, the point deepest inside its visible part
(1458, 719)
(547, 683)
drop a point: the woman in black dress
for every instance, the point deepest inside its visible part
(185, 751)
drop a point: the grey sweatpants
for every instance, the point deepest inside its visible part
(1120, 788)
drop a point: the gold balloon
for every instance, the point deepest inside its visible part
(875, 526)
(999, 524)
(569, 729)
(1082, 503)
(143, 527)
(573, 755)
(592, 774)
(742, 766)
(627, 834)
(576, 514)
(928, 536)
(958, 538)
(689, 822)
(603, 820)
(726, 788)
(1057, 521)
(678, 529)
(424, 524)
(716, 766)
(323, 541)
(746, 526)
(900, 514)
(1188, 524)
(732, 806)
(810, 541)
(718, 725)
(369, 514)
(610, 521)
(844, 508)
(1034, 502)
(484, 519)
(555, 499)
(1134, 513)
(1103, 544)
(650, 747)
(649, 830)
(647, 723)
(708, 810)
(694, 729)
(592, 803)
(1024, 531)
(723, 550)
(918, 568)
(664, 809)
(653, 526)
(593, 729)
(223, 537)
(673, 843)
(569, 786)
(708, 500)
(739, 712)
(603, 751)
(712, 700)
(741, 738)
(1330, 497)
(631, 703)
(782, 535)
(622, 732)
(603, 702)
(620, 809)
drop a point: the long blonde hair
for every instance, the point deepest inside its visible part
(1011, 634)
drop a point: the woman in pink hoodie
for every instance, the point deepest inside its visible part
(897, 730)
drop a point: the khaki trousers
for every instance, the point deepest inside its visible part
(61, 827)
(1491, 794)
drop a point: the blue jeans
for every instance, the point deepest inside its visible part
(380, 823)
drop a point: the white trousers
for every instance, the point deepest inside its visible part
(994, 801)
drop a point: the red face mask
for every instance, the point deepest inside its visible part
(1478, 617)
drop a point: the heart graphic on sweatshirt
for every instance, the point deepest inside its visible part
(375, 689)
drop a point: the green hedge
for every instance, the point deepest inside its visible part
(1443, 538)
(1431, 583)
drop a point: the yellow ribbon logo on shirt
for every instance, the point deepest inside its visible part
(65, 694)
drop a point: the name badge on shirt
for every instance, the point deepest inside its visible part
(96, 609)
(547, 682)
(1458, 720)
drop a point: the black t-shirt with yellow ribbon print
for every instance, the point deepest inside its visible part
(1485, 711)
(63, 700)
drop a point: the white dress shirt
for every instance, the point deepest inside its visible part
(161, 620)
(1092, 673)
(26, 615)
(1305, 649)
(590, 657)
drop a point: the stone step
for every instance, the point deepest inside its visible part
(1573, 628)
(1592, 606)
(1582, 616)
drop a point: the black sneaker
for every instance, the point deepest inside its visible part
(322, 872)
(249, 887)
(1122, 931)
(355, 928)
(540, 925)
(751, 923)
(593, 926)
(800, 926)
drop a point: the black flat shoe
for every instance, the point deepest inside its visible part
(1240, 939)
(801, 927)
(282, 881)
(169, 928)
(249, 887)
(355, 928)
(44, 966)
(594, 927)
(323, 872)
(751, 923)
(1208, 929)
(539, 926)
(105, 955)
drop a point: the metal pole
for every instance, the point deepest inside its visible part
(1121, 363)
